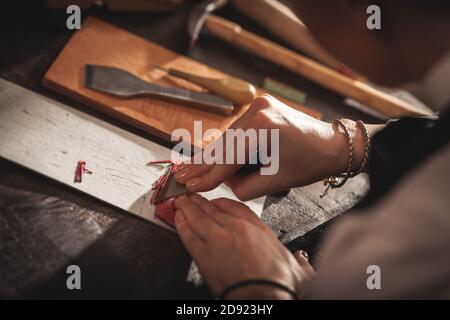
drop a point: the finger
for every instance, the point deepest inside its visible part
(251, 186)
(187, 171)
(213, 211)
(301, 256)
(202, 162)
(193, 243)
(257, 104)
(305, 273)
(211, 179)
(237, 210)
(202, 224)
(205, 177)
(303, 260)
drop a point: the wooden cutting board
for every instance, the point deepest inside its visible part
(104, 44)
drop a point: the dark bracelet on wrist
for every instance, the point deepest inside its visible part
(250, 282)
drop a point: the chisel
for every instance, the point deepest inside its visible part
(239, 91)
(124, 84)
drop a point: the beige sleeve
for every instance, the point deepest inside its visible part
(407, 235)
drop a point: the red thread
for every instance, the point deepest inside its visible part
(170, 162)
(81, 168)
(160, 162)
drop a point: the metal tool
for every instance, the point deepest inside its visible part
(239, 91)
(199, 15)
(167, 186)
(124, 84)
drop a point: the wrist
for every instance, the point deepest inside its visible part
(340, 147)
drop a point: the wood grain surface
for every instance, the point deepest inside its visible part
(103, 44)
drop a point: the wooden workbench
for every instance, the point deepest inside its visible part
(45, 226)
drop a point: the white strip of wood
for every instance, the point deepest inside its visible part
(50, 138)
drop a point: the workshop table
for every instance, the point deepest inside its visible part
(46, 226)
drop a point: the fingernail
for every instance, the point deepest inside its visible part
(181, 174)
(182, 167)
(304, 254)
(193, 184)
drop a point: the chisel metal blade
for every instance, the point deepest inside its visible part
(124, 84)
(170, 189)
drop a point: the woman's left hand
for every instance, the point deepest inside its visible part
(230, 244)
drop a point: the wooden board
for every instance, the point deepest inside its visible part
(100, 43)
(50, 138)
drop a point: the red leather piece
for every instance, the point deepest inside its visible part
(165, 211)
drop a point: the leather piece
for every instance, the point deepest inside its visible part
(165, 189)
(165, 211)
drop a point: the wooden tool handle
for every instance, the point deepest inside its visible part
(277, 18)
(386, 104)
(238, 91)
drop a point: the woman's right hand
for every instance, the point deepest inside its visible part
(309, 150)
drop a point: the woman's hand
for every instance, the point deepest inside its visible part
(309, 150)
(230, 244)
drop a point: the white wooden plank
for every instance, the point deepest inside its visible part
(50, 138)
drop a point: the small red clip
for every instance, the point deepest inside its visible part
(81, 168)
